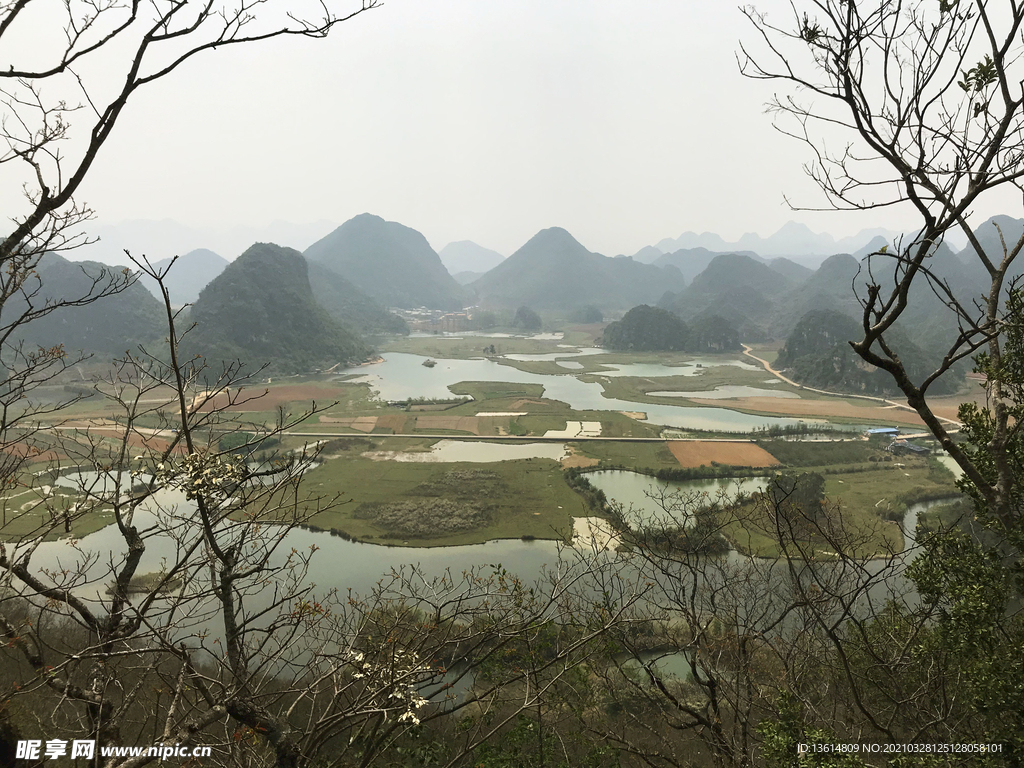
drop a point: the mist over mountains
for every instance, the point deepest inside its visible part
(555, 271)
(189, 275)
(318, 308)
(164, 238)
(792, 240)
(391, 262)
(467, 256)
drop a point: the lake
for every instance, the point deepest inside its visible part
(402, 376)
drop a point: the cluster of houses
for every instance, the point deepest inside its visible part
(898, 446)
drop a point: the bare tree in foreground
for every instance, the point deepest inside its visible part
(193, 619)
(67, 73)
(741, 658)
(916, 105)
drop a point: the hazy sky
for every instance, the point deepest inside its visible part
(473, 119)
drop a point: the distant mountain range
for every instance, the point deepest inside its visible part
(467, 256)
(368, 264)
(792, 240)
(161, 239)
(768, 300)
(189, 275)
(391, 262)
(553, 271)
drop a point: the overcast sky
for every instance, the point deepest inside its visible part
(484, 120)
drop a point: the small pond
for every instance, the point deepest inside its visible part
(643, 493)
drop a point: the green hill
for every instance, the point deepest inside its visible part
(736, 287)
(729, 270)
(829, 287)
(646, 329)
(261, 310)
(651, 329)
(692, 261)
(553, 271)
(107, 327)
(818, 354)
(350, 306)
(390, 262)
(795, 273)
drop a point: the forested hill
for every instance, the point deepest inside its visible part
(646, 328)
(553, 271)
(350, 306)
(692, 261)
(261, 310)
(818, 354)
(829, 287)
(738, 288)
(109, 326)
(392, 263)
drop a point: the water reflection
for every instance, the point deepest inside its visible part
(647, 496)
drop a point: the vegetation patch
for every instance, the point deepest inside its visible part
(639, 456)
(818, 453)
(489, 390)
(381, 501)
(426, 517)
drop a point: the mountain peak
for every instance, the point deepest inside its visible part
(389, 261)
(261, 309)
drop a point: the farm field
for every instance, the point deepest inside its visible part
(699, 453)
(855, 411)
(428, 504)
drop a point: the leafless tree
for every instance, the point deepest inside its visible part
(915, 105)
(826, 618)
(193, 619)
(67, 73)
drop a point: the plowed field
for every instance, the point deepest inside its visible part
(694, 453)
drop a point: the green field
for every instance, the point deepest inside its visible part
(392, 502)
(27, 513)
(653, 456)
(864, 505)
(636, 389)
